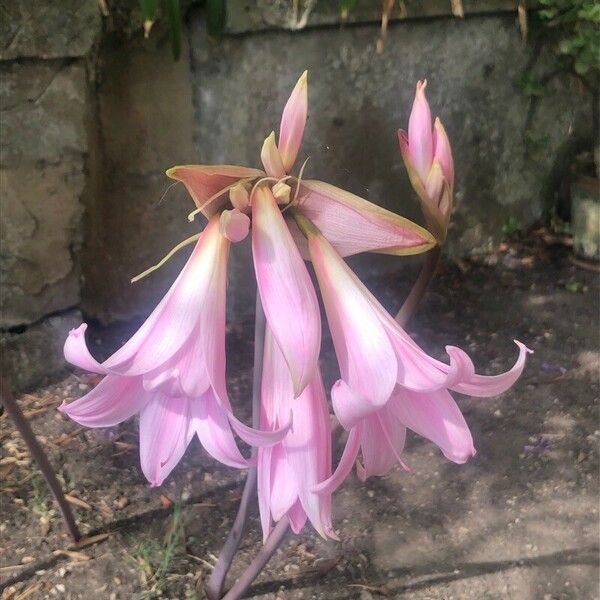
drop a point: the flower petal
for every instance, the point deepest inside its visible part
(210, 422)
(264, 489)
(284, 491)
(420, 137)
(112, 401)
(270, 157)
(367, 359)
(353, 225)
(198, 295)
(286, 291)
(165, 433)
(205, 182)
(435, 416)
(293, 121)
(297, 517)
(443, 151)
(344, 466)
(382, 441)
(485, 386)
(256, 438)
(77, 353)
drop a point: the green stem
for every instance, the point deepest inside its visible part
(420, 287)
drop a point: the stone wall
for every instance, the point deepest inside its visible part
(92, 115)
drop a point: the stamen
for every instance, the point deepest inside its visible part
(159, 264)
(299, 181)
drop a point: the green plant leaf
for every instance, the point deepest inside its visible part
(174, 16)
(149, 9)
(216, 15)
(346, 6)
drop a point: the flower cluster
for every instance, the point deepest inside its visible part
(172, 371)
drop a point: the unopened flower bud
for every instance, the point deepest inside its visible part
(234, 225)
(238, 194)
(282, 192)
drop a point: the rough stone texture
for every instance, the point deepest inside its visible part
(48, 29)
(40, 230)
(43, 111)
(42, 178)
(29, 358)
(257, 15)
(146, 126)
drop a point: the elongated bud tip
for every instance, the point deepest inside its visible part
(234, 225)
(303, 79)
(271, 158)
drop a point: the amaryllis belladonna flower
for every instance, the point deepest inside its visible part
(428, 158)
(289, 470)
(350, 223)
(172, 371)
(387, 381)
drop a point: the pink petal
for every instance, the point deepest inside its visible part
(435, 182)
(196, 299)
(259, 439)
(307, 447)
(284, 491)
(286, 291)
(443, 151)
(485, 386)
(270, 157)
(210, 422)
(234, 225)
(114, 400)
(436, 417)
(264, 489)
(382, 441)
(77, 353)
(344, 466)
(367, 360)
(420, 137)
(205, 182)
(297, 517)
(293, 121)
(353, 225)
(349, 407)
(165, 433)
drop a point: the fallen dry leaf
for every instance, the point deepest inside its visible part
(77, 502)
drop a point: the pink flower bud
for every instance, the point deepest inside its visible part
(420, 138)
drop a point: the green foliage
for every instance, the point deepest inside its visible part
(149, 8)
(215, 17)
(174, 16)
(346, 6)
(578, 24)
(511, 230)
(530, 85)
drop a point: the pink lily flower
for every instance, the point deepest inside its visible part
(350, 223)
(289, 470)
(387, 381)
(172, 371)
(428, 159)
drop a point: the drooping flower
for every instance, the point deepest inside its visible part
(387, 381)
(351, 224)
(172, 371)
(289, 470)
(428, 158)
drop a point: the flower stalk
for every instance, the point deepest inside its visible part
(38, 454)
(215, 585)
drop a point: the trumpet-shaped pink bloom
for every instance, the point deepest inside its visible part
(387, 381)
(428, 158)
(289, 470)
(351, 224)
(172, 371)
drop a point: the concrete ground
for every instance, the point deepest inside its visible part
(520, 520)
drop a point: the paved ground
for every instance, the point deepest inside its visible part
(519, 521)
